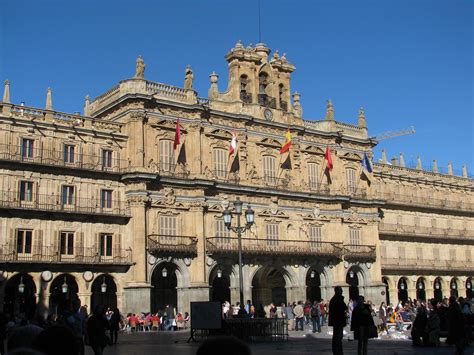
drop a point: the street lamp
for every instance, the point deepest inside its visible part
(164, 272)
(351, 274)
(420, 286)
(437, 285)
(402, 286)
(21, 286)
(249, 217)
(468, 285)
(103, 287)
(313, 274)
(64, 286)
(219, 273)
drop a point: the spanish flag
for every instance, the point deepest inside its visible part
(287, 144)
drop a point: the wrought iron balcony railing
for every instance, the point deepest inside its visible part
(274, 181)
(356, 252)
(79, 255)
(161, 245)
(171, 169)
(246, 97)
(72, 160)
(42, 202)
(422, 201)
(250, 246)
(426, 264)
(267, 101)
(429, 232)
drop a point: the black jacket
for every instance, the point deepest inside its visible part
(337, 312)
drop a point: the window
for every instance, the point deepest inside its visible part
(68, 195)
(244, 95)
(315, 236)
(69, 153)
(67, 243)
(351, 180)
(222, 233)
(168, 227)
(27, 148)
(269, 171)
(452, 254)
(313, 175)
(272, 234)
(107, 158)
(106, 198)
(419, 254)
(105, 244)
(26, 191)
(354, 237)
(23, 241)
(281, 95)
(219, 157)
(166, 155)
(401, 253)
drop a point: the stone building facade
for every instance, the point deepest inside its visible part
(109, 207)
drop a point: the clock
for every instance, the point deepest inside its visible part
(268, 114)
(88, 276)
(47, 275)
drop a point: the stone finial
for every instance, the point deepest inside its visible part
(362, 123)
(49, 99)
(188, 78)
(6, 92)
(283, 58)
(276, 55)
(402, 160)
(464, 171)
(297, 104)
(329, 111)
(213, 90)
(419, 166)
(394, 161)
(140, 68)
(450, 168)
(384, 157)
(435, 166)
(239, 45)
(87, 106)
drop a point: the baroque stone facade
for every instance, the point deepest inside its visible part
(109, 208)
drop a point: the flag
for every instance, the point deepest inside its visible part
(287, 144)
(328, 157)
(366, 163)
(233, 143)
(177, 135)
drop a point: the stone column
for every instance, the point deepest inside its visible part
(86, 299)
(137, 292)
(136, 150)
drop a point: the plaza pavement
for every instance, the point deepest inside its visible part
(174, 343)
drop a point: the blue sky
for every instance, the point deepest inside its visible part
(407, 62)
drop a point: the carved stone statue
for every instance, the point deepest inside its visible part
(188, 78)
(140, 68)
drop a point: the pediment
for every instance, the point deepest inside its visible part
(219, 133)
(352, 156)
(167, 125)
(269, 142)
(313, 150)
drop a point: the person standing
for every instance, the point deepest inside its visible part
(315, 317)
(337, 319)
(96, 327)
(115, 319)
(299, 314)
(360, 322)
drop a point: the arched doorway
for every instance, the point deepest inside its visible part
(63, 292)
(268, 285)
(402, 290)
(453, 286)
(352, 279)
(420, 290)
(469, 293)
(438, 289)
(220, 285)
(20, 296)
(104, 292)
(387, 292)
(313, 286)
(164, 282)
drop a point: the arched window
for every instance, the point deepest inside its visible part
(245, 96)
(219, 157)
(281, 96)
(262, 83)
(166, 155)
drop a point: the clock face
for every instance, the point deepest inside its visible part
(88, 276)
(46, 275)
(268, 114)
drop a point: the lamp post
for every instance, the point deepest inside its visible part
(249, 217)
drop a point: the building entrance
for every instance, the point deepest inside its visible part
(164, 282)
(268, 285)
(20, 297)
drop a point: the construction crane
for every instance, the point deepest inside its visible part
(391, 134)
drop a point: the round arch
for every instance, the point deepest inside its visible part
(453, 287)
(219, 280)
(469, 293)
(402, 287)
(269, 285)
(421, 289)
(164, 281)
(438, 289)
(386, 280)
(313, 285)
(20, 296)
(356, 278)
(104, 292)
(63, 293)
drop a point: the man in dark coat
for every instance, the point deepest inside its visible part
(337, 319)
(360, 322)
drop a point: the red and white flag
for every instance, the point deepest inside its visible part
(233, 143)
(328, 157)
(177, 135)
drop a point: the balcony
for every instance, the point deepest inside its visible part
(173, 170)
(425, 232)
(160, 245)
(246, 97)
(319, 188)
(359, 253)
(45, 157)
(414, 265)
(266, 101)
(52, 203)
(51, 255)
(273, 181)
(257, 247)
(426, 202)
